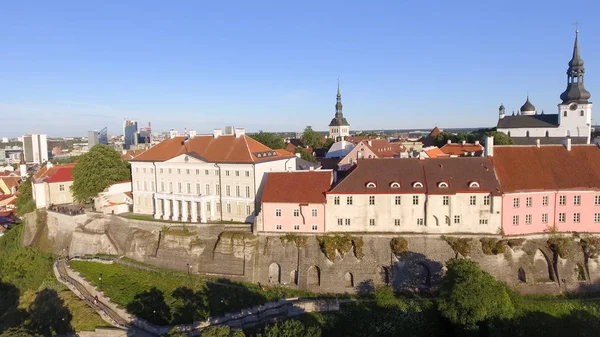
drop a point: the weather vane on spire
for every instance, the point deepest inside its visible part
(576, 24)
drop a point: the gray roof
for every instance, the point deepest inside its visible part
(547, 140)
(339, 121)
(527, 106)
(529, 121)
(303, 165)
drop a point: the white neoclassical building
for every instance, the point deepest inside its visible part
(201, 178)
(573, 120)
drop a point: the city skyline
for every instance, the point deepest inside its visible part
(201, 66)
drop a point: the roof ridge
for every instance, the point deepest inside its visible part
(248, 148)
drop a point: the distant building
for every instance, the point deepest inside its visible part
(92, 138)
(35, 148)
(4, 139)
(339, 128)
(51, 185)
(103, 136)
(129, 134)
(573, 119)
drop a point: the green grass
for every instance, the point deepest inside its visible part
(123, 283)
(30, 271)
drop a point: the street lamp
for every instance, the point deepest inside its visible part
(100, 279)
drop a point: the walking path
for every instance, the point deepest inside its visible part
(245, 318)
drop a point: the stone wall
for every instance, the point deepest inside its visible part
(231, 251)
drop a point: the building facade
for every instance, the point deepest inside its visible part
(51, 185)
(294, 202)
(129, 134)
(549, 188)
(35, 148)
(573, 119)
(204, 178)
(339, 128)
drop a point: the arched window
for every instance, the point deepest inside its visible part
(564, 113)
(443, 184)
(395, 184)
(527, 133)
(547, 133)
(417, 185)
(474, 184)
(509, 133)
(349, 280)
(581, 113)
(371, 184)
(521, 275)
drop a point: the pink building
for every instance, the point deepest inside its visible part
(294, 202)
(369, 149)
(549, 187)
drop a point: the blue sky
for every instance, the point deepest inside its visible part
(71, 66)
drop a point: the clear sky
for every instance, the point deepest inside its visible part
(71, 66)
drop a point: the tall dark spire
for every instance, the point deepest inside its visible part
(575, 92)
(339, 119)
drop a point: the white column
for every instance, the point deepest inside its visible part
(194, 211)
(175, 210)
(184, 211)
(167, 209)
(157, 209)
(213, 209)
(203, 211)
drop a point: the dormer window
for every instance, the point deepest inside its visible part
(371, 184)
(417, 185)
(395, 184)
(474, 184)
(443, 184)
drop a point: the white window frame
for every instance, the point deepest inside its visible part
(528, 219)
(577, 200)
(397, 222)
(314, 212)
(515, 220)
(474, 184)
(420, 222)
(473, 200)
(486, 200)
(516, 202)
(395, 184)
(398, 200)
(417, 184)
(315, 227)
(442, 184)
(371, 184)
(529, 201)
(562, 200)
(278, 212)
(296, 227)
(296, 212)
(371, 222)
(576, 217)
(278, 227)
(371, 200)
(545, 218)
(457, 219)
(545, 200)
(415, 199)
(562, 217)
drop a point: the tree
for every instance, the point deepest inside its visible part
(328, 143)
(500, 138)
(269, 140)
(18, 332)
(469, 295)
(96, 170)
(290, 328)
(151, 306)
(305, 155)
(48, 314)
(311, 138)
(221, 331)
(25, 202)
(189, 306)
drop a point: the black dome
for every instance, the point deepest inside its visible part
(527, 107)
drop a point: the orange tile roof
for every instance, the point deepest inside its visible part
(459, 149)
(384, 149)
(223, 149)
(290, 147)
(283, 152)
(128, 155)
(549, 167)
(434, 152)
(56, 174)
(297, 186)
(11, 182)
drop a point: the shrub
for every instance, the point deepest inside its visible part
(358, 247)
(590, 246)
(298, 240)
(560, 245)
(460, 246)
(398, 245)
(336, 243)
(491, 246)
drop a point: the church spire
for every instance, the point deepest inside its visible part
(575, 92)
(339, 119)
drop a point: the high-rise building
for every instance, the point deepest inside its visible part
(92, 138)
(103, 136)
(35, 148)
(129, 133)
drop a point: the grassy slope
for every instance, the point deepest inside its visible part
(30, 270)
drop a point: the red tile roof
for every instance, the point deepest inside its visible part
(297, 186)
(434, 152)
(56, 174)
(430, 139)
(128, 155)
(384, 149)
(458, 173)
(549, 167)
(459, 149)
(223, 149)
(11, 182)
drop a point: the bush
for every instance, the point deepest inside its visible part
(460, 246)
(300, 241)
(330, 245)
(398, 245)
(590, 246)
(290, 328)
(491, 246)
(24, 202)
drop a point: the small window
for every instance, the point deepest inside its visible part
(314, 213)
(515, 219)
(597, 200)
(415, 199)
(483, 221)
(347, 222)
(564, 114)
(395, 185)
(278, 227)
(296, 212)
(396, 222)
(545, 218)
(187, 171)
(457, 219)
(397, 200)
(577, 200)
(515, 202)
(340, 222)
(420, 222)
(445, 200)
(371, 200)
(237, 191)
(562, 217)
(178, 171)
(371, 222)
(278, 212)
(528, 201)
(576, 217)
(473, 200)
(206, 172)
(486, 200)
(314, 227)
(597, 217)
(247, 191)
(248, 209)
(227, 173)
(443, 184)
(528, 219)
(581, 113)
(336, 200)
(545, 200)
(189, 188)
(247, 173)
(61, 187)
(237, 173)
(562, 200)
(161, 171)
(371, 184)
(474, 184)
(417, 185)
(348, 200)
(296, 227)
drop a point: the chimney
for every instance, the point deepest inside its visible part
(217, 133)
(298, 155)
(449, 141)
(192, 134)
(173, 133)
(370, 143)
(239, 132)
(463, 142)
(489, 146)
(567, 144)
(538, 143)
(476, 142)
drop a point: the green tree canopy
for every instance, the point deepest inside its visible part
(328, 143)
(500, 138)
(221, 331)
(290, 328)
(270, 140)
(312, 138)
(469, 295)
(25, 203)
(305, 155)
(96, 170)
(442, 138)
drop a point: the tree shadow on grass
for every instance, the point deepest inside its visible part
(226, 299)
(151, 306)
(10, 314)
(190, 306)
(48, 314)
(535, 323)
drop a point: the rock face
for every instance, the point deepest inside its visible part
(530, 265)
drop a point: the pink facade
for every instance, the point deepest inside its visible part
(293, 217)
(563, 211)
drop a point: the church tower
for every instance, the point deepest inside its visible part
(339, 127)
(575, 111)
